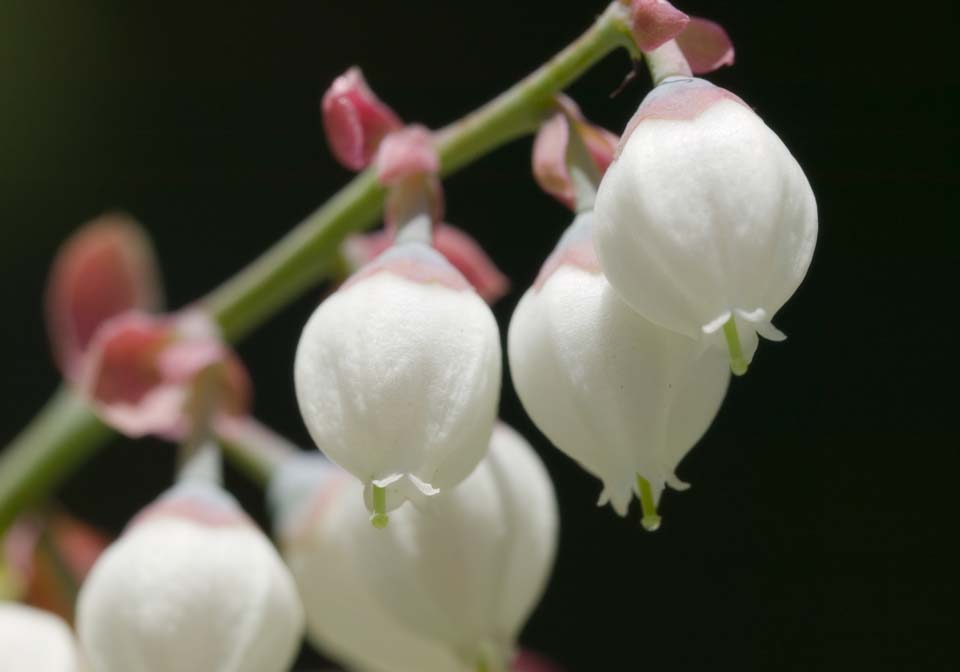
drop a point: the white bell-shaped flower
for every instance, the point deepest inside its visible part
(465, 569)
(398, 376)
(316, 505)
(32, 640)
(623, 397)
(706, 224)
(191, 586)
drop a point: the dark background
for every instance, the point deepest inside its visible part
(816, 535)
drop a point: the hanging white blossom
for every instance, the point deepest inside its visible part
(706, 224)
(465, 569)
(623, 397)
(398, 377)
(191, 586)
(316, 505)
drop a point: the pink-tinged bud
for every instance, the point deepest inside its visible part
(706, 46)
(406, 153)
(192, 585)
(355, 120)
(106, 268)
(141, 371)
(459, 248)
(656, 22)
(550, 150)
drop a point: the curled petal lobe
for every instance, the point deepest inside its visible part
(706, 46)
(656, 22)
(105, 269)
(355, 120)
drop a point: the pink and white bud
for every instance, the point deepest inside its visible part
(466, 569)
(191, 586)
(459, 248)
(550, 150)
(105, 269)
(655, 22)
(32, 640)
(706, 46)
(355, 120)
(705, 223)
(398, 376)
(140, 372)
(623, 397)
(316, 506)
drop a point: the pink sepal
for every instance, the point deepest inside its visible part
(202, 503)
(355, 120)
(414, 262)
(104, 269)
(706, 46)
(456, 245)
(656, 22)
(140, 370)
(682, 99)
(550, 167)
(406, 153)
(528, 661)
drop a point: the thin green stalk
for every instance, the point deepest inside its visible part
(65, 433)
(56, 442)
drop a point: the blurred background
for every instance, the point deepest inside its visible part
(815, 536)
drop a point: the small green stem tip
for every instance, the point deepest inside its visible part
(651, 519)
(738, 365)
(379, 518)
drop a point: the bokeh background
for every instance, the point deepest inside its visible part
(816, 535)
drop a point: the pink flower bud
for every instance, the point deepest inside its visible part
(460, 249)
(140, 372)
(705, 45)
(192, 584)
(656, 22)
(104, 269)
(550, 147)
(355, 120)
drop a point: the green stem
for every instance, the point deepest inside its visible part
(66, 433)
(58, 440)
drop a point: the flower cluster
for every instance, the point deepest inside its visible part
(424, 537)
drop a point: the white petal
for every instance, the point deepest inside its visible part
(468, 567)
(344, 619)
(35, 641)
